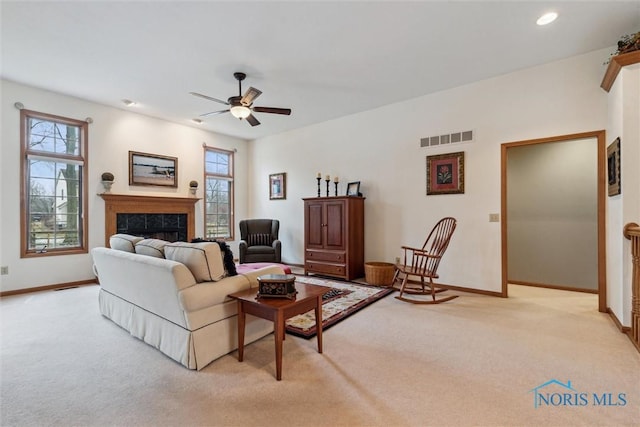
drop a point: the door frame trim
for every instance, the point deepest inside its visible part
(600, 136)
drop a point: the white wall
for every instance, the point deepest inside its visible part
(111, 135)
(623, 122)
(381, 149)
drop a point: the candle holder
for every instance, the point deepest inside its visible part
(318, 178)
(336, 189)
(327, 180)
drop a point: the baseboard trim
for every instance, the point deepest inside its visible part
(471, 290)
(636, 344)
(624, 329)
(616, 321)
(461, 289)
(558, 288)
(50, 287)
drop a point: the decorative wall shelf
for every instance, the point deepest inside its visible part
(615, 65)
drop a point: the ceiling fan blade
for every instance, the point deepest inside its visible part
(250, 95)
(285, 111)
(209, 98)
(252, 120)
(213, 113)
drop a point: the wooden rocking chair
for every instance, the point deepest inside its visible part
(423, 263)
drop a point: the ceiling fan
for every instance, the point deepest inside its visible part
(241, 106)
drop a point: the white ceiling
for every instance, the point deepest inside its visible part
(321, 59)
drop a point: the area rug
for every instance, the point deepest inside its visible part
(344, 299)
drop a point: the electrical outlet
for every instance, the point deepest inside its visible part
(494, 217)
(4, 270)
(397, 260)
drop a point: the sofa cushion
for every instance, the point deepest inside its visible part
(260, 239)
(227, 255)
(203, 259)
(151, 247)
(124, 242)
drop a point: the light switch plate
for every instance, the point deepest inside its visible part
(494, 217)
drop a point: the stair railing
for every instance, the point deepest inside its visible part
(632, 232)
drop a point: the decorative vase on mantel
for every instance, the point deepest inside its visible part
(193, 187)
(107, 181)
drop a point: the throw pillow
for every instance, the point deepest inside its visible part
(151, 247)
(124, 242)
(227, 255)
(260, 239)
(203, 259)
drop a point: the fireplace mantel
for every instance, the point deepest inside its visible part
(122, 203)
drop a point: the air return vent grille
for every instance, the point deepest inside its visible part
(446, 139)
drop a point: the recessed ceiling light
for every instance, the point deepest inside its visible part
(547, 18)
(128, 102)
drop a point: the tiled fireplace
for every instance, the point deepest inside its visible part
(167, 218)
(170, 227)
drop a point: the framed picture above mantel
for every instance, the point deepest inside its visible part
(152, 169)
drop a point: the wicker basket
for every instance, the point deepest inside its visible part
(379, 273)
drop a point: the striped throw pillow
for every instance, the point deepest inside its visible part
(260, 240)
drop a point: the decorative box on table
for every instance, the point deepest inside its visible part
(277, 286)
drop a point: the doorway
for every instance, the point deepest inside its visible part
(542, 215)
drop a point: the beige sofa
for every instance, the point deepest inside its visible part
(166, 303)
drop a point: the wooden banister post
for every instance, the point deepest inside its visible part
(632, 232)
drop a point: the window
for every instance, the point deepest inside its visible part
(54, 195)
(218, 193)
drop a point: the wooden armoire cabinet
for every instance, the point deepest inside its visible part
(334, 236)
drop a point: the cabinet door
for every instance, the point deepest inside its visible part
(335, 223)
(314, 224)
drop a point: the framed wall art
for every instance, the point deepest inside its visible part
(278, 186)
(152, 169)
(445, 174)
(613, 168)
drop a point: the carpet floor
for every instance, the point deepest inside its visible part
(473, 361)
(342, 301)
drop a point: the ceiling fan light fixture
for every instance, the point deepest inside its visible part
(240, 111)
(241, 106)
(547, 18)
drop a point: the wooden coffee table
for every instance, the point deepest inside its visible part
(309, 297)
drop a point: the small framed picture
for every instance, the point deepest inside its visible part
(353, 188)
(613, 168)
(445, 173)
(152, 169)
(278, 186)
